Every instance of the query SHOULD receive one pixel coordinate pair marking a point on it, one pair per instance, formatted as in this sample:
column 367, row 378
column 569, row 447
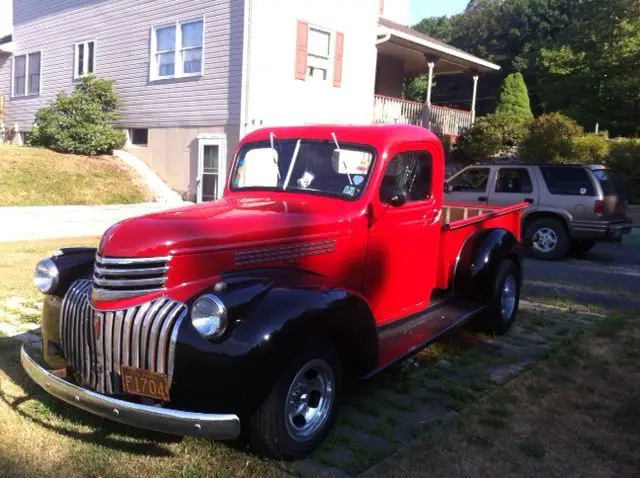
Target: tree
column 513, row 99
column 551, row 139
column 81, row 122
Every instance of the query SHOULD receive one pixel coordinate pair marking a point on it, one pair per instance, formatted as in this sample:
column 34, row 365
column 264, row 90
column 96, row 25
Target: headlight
column 209, row 316
column 46, row 276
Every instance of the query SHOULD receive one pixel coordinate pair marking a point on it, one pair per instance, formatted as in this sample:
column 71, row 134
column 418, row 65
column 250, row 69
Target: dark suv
column 572, row 206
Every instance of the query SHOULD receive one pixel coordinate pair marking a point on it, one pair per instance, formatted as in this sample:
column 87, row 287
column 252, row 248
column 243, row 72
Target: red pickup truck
column 329, row 256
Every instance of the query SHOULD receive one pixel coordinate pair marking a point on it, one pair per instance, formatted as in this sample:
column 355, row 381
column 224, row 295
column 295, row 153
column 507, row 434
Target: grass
column 38, row 177
column 18, row 260
column 537, row 425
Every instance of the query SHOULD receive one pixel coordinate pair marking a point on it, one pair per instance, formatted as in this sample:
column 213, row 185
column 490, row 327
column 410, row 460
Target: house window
column 177, row 50
column 26, row 74
column 318, row 54
column 84, row 59
column 139, row 136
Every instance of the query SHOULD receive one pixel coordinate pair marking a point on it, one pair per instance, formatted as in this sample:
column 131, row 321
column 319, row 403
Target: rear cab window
column 567, row 181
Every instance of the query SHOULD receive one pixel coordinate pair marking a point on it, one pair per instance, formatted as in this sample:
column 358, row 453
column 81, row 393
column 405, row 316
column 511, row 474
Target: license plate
column 147, row 384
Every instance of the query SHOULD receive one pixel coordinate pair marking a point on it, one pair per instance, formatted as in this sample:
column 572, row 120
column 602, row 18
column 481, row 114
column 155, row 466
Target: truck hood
column 225, row 224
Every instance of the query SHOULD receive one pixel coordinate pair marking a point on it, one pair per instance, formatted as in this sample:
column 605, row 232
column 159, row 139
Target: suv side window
column 514, row 180
column 567, row 181
column 472, row 180
column 410, row 171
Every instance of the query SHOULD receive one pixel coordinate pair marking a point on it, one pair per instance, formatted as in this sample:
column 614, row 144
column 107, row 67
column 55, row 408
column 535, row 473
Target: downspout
column 246, row 68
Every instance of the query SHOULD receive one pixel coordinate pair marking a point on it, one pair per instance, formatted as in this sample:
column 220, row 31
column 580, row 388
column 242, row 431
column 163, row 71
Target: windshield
column 303, row 165
column 611, row 185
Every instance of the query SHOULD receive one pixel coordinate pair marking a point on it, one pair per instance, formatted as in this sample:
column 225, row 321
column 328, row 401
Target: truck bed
column 459, row 221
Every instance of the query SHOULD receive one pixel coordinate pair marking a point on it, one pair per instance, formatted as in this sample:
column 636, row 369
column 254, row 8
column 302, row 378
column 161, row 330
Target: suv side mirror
column 395, row 196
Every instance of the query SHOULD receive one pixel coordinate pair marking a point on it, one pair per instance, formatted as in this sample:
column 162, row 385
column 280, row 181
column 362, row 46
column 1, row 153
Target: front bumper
column 601, row 230
column 175, row 422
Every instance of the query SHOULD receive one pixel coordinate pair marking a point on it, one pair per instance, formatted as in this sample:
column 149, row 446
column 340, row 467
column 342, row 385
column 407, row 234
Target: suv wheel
column 548, row 239
column 302, row 407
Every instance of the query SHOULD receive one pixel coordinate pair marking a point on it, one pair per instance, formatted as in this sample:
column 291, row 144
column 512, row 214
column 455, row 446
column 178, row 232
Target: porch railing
column 395, row 110
column 448, row 121
column 440, row 119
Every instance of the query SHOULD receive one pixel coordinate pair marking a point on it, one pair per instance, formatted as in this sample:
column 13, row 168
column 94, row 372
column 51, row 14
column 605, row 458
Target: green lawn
column 39, row 177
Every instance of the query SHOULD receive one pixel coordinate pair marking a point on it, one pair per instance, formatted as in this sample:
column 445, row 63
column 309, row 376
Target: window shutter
column 381, row 6
column 302, row 44
column 337, row 70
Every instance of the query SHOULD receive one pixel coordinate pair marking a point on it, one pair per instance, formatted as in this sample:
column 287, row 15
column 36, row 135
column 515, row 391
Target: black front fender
column 270, row 320
column 479, row 260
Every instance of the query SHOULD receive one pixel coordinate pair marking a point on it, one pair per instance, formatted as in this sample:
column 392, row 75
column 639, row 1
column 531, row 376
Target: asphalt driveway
column 589, row 279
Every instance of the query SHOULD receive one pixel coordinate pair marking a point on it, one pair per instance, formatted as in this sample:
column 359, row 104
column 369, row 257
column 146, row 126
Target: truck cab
column 331, row 254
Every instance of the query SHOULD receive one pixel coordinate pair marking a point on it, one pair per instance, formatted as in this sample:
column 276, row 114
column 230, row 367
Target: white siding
column 121, row 30
column 276, row 98
column 398, row 11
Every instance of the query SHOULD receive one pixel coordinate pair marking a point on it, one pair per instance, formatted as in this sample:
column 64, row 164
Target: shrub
column 624, row 158
column 590, row 148
column 80, row 123
column 550, row 139
column 491, row 135
column 513, row 99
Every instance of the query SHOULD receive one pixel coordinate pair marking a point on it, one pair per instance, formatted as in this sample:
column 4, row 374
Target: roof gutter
column 447, row 51
column 385, row 38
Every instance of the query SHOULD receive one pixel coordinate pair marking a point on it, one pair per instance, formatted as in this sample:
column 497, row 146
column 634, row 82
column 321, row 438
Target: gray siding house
column 177, row 66
column 195, row 75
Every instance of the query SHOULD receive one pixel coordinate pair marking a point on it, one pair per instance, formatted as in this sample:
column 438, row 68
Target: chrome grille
column 119, row 277
column 97, row 343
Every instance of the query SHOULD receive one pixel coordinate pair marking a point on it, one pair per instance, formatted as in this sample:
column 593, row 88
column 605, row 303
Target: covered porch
column 404, row 53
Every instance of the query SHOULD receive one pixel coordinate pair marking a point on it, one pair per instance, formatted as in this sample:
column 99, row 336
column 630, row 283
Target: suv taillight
column 598, row 207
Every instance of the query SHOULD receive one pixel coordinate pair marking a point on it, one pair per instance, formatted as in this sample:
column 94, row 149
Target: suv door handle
column 483, row 198
column 529, row 200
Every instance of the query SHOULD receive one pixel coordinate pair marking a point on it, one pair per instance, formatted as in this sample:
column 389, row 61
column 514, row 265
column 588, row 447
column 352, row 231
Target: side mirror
column 448, row 188
column 396, row 196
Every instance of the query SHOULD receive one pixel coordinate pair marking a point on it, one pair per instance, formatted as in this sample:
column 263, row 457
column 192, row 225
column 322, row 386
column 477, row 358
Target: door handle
column 529, row 200
column 483, row 198
column 436, row 216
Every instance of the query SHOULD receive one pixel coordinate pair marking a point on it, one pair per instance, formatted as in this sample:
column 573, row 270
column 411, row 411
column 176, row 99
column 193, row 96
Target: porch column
column 473, row 100
column 427, row 121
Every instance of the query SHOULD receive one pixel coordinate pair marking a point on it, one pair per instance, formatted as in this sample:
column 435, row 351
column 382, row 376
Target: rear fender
column 479, row 260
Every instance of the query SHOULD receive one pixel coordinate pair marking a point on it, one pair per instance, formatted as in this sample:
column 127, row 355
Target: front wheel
column 302, row 407
column 502, row 306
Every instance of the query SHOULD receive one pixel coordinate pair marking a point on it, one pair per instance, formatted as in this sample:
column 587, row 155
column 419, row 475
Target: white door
column 212, row 167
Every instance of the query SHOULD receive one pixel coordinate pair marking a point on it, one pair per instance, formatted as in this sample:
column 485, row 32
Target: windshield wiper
column 275, row 153
column 293, row 162
column 344, row 163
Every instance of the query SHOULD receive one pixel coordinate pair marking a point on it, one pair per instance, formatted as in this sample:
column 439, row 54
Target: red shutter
column 302, row 43
column 337, row 70
column 381, row 6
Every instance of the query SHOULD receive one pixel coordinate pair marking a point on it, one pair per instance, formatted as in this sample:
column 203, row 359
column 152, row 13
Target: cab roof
column 378, row 136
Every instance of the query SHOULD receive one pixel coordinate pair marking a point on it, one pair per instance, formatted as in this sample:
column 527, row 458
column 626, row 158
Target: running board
column 407, row 336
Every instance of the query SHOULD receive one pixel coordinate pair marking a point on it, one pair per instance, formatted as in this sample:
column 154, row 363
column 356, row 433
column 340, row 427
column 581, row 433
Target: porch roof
column 6, row 45
column 411, row 46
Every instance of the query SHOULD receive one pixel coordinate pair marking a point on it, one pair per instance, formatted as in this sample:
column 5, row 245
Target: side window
column 514, row 180
column 411, row 172
column 472, row 180
column 567, row 181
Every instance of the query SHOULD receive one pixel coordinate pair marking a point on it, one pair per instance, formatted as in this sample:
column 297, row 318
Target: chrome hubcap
column 545, row 239
column 309, row 400
column 508, row 299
